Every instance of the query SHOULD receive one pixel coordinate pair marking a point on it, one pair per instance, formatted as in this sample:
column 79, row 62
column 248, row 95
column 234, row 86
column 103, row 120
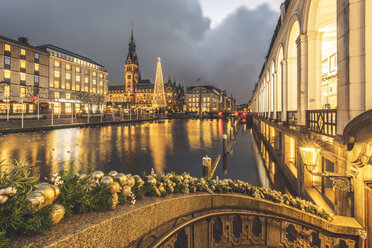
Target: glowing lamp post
column 309, row 157
column 340, row 182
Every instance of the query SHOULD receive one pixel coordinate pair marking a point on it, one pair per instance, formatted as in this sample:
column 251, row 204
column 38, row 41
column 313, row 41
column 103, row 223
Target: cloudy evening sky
column 223, row 42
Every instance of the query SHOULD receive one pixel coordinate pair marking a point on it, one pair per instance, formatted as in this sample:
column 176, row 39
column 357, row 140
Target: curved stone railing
column 199, row 220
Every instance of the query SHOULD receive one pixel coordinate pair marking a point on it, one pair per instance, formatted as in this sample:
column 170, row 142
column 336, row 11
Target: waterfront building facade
column 77, row 84
column 312, row 96
column 23, row 76
column 208, row 99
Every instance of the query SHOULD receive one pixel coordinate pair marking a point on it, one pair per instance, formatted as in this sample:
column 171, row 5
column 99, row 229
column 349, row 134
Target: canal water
column 165, row 145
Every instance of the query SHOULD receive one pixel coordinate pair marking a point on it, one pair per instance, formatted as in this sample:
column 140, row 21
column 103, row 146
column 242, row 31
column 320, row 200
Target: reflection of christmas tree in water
column 159, row 94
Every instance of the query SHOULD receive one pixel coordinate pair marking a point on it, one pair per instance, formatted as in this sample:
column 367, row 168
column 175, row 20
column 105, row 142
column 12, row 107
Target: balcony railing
column 292, row 118
column 322, row 121
column 279, row 116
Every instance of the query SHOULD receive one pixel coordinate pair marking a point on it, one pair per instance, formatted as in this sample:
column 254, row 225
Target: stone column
column 351, row 60
column 274, row 79
column 342, row 65
column 301, row 79
column 269, row 85
column 357, row 68
column 292, row 88
column 368, row 51
column 284, row 89
column 314, row 70
column 266, row 98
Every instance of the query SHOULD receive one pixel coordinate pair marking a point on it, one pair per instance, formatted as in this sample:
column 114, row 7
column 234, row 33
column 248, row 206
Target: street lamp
column 309, row 157
column 342, row 183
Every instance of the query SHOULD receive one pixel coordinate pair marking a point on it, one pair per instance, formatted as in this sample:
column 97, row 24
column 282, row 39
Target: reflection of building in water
column 194, row 134
column 207, row 133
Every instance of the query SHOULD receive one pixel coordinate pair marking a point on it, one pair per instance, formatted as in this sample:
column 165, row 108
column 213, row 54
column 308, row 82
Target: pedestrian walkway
column 47, row 123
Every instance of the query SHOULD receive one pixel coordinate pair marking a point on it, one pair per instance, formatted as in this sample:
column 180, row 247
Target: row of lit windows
column 22, row 76
column 56, row 84
column 58, row 95
column 7, row 48
column 57, row 64
column 57, row 74
column 75, row 60
column 7, row 61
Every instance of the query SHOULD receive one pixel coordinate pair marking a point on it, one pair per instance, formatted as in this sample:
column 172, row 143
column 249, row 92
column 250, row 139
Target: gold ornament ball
column 115, row 188
column 113, row 173
column 151, row 181
column 57, row 190
column 138, row 180
column 108, row 181
column 161, row 188
column 98, row 175
column 131, row 182
column 126, row 190
column 121, row 178
column 48, row 191
column 58, row 211
column 36, row 200
column 157, row 191
column 169, row 175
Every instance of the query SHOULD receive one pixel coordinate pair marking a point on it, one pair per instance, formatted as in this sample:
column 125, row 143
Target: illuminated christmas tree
column 158, row 100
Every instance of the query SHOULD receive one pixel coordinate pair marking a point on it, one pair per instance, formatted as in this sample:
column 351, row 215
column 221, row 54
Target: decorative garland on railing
column 28, row 206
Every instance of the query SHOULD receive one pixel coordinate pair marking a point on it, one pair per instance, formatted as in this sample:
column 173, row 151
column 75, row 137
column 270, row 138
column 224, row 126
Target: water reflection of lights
column 119, row 147
column 220, row 127
column 158, row 140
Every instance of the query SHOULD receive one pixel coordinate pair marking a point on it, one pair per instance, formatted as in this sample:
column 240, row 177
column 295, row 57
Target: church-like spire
column 169, row 81
column 132, row 56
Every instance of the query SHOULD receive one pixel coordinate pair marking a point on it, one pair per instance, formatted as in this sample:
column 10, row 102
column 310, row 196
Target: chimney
column 23, row 40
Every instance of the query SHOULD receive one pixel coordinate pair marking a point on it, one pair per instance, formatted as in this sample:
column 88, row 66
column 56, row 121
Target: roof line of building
column 275, row 34
column 23, row 44
column 69, row 53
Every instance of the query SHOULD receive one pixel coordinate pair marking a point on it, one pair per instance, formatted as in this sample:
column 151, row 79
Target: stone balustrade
column 199, row 220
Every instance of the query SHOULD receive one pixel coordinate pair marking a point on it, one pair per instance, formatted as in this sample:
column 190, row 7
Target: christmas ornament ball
column 121, row 178
column 113, row 173
column 108, row 181
column 98, row 175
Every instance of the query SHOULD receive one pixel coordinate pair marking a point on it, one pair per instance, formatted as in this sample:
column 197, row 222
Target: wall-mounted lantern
column 342, row 183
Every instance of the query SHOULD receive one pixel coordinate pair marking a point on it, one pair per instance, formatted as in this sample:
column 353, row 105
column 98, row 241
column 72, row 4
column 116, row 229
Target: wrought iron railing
column 292, row 118
column 242, row 229
column 322, row 121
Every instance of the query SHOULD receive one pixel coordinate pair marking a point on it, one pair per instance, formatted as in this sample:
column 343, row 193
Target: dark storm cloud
column 228, row 56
